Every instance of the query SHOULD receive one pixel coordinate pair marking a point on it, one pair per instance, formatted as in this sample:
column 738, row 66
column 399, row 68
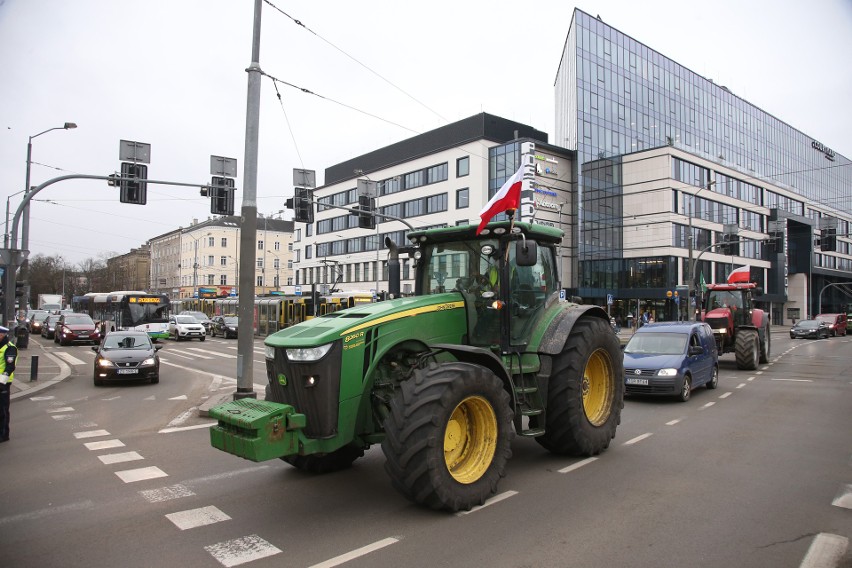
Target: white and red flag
column 741, row 274
column 508, row 198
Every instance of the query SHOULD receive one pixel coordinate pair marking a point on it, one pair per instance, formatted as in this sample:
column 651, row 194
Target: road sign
column 609, row 299
column 562, row 293
column 233, row 292
column 298, row 290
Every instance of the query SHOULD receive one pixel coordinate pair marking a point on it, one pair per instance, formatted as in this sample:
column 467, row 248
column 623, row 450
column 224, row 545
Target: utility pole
column 248, row 213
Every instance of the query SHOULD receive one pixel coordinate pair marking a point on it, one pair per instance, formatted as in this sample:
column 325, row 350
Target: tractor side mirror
column 526, row 252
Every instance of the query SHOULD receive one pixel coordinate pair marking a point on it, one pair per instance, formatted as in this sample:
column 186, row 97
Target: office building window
column 462, row 198
column 463, row 166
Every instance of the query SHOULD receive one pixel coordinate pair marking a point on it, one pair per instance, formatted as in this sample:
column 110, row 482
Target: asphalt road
column 752, row 474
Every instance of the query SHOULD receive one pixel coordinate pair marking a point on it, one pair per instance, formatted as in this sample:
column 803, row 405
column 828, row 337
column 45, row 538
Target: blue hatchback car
column 671, row 359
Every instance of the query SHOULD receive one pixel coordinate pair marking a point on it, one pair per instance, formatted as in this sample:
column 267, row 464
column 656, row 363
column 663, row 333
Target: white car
column 186, row 327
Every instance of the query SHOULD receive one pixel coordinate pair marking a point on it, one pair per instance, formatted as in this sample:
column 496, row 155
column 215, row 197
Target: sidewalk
column 51, row 370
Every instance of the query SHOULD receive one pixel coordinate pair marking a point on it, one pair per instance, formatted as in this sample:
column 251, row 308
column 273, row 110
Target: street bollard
column 34, row 368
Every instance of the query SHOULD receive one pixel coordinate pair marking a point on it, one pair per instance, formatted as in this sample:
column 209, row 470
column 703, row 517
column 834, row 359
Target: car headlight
column 148, row 362
column 667, row 372
column 308, row 353
column 105, row 363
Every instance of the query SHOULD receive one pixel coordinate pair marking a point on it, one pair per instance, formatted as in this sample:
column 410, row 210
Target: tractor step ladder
column 530, row 404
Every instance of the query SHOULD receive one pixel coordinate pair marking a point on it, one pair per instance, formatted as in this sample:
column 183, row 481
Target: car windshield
column 657, row 343
column 40, row 316
column 78, row 320
column 826, row 319
column 230, row 321
column 807, row 323
column 186, row 319
column 127, row 342
column 200, row 316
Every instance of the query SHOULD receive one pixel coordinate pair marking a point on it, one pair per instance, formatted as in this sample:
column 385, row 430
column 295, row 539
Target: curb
column 215, row 400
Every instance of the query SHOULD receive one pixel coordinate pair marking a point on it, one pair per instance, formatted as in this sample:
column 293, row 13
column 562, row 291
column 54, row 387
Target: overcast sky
column 171, row 73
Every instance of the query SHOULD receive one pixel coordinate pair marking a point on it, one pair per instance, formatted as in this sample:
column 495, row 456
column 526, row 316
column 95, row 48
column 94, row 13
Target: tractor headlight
column 269, row 351
column 667, row 372
column 308, row 353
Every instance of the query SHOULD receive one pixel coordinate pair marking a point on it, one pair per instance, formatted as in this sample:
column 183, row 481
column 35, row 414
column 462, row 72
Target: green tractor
column 444, row 380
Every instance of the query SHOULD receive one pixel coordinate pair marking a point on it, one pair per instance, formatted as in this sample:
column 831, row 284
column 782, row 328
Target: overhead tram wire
column 289, row 126
column 377, row 74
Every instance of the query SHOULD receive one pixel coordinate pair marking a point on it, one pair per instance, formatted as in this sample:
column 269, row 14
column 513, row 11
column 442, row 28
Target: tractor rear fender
column 477, row 356
column 561, row 325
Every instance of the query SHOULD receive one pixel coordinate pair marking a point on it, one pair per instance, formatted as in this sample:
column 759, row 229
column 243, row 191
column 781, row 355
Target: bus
column 127, row 310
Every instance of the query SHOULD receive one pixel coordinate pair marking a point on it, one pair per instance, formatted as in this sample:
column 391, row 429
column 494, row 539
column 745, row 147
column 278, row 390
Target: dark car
column 226, row 326
column 126, row 355
column 48, row 328
column 812, row 329
column 201, row 317
column 671, row 359
column 76, row 328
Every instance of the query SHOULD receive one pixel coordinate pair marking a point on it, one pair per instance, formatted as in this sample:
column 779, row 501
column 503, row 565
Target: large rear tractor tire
column 337, row 460
column 448, row 436
column 585, row 391
column 747, row 349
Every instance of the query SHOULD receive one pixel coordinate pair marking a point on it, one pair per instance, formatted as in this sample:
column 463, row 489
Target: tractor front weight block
column 256, row 430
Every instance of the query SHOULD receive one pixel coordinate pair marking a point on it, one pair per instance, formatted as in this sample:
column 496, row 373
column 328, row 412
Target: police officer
column 8, row 357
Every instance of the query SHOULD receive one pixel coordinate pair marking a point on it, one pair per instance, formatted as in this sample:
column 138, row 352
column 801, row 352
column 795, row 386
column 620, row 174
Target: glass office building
column 616, row 97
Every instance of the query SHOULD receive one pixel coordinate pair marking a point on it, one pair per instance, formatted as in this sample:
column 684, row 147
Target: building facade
column 440, row 178
column 203, row 259
column 130, row 271
column 725, row 167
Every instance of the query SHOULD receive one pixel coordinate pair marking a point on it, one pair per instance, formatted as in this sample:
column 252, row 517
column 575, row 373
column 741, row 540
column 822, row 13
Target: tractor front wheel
column 448, row 436
column 585, row 391
column 747, row 349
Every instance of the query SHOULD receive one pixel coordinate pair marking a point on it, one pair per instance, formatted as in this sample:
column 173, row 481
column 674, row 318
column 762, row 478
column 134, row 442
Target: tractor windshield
column 461, row 265
column 731, row 299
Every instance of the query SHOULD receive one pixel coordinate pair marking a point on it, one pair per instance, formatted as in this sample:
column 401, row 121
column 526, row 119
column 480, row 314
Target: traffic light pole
column 373, row 213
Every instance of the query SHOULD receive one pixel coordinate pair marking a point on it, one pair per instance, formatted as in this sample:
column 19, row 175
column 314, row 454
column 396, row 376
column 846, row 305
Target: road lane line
column 65, row 416
column 108, row 459
column 708, row 405
column 106, row 444
column 194, row 518
column 750, row 378
column 63, row 409
column 844, row 498
column 577, row 465
column 673, row 422
column 741, row 385
column 68, row 358
column 216, row 353
column 184, row 428
column 48, row 512
column 638, row 439
column 241, row 550
column 826, row 551
column 725, row 395
column 140, row 474
column 337, row 561
column 91, row 434
column 492, row 501
column 794, row 380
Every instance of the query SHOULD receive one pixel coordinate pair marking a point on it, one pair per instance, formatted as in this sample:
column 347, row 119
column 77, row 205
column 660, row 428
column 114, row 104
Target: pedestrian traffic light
column 133, row 187
column 222, row 196
column 366, row 218
column 303, row 205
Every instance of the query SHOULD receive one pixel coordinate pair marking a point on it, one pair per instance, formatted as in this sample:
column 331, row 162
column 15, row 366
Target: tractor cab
column 729, row 302
column 506, row 275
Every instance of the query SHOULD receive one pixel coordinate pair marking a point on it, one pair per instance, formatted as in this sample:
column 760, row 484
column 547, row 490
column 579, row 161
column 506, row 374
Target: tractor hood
column 339, row 325
column 718, row 314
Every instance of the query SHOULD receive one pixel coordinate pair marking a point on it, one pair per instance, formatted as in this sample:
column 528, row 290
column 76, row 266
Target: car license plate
column 128, row 371
column 636, row 381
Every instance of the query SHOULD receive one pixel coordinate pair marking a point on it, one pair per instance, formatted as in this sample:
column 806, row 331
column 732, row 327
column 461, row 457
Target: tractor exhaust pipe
column 393, row 268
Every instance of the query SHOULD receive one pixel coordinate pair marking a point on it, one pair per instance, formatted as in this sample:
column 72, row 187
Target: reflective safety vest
column 3, row 360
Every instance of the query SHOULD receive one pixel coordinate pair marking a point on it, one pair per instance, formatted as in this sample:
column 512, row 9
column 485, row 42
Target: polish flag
column 508, row 198
column 741, row 274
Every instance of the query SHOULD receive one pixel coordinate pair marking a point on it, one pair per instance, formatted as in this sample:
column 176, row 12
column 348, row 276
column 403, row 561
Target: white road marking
column 141, row 474
column 68, row 358
column 167, row 493
column 638, row 439
column 111, row 398
column 91, row 434
column 488, row 502
column 826, row 551
column 41, row 398
column 794, row 380
column 725, row 395
column 120, row 458
column 337, row 561
column 184, row 428
column 673, row 422
column 241, row 550
column 106, row 444
column 750, row 378
column 152, row 397
column 577, row 465
column 759, row 373
column 765, row 368
column 63, row 409
column 49, row 512
column 741, row 385
column 708, row 405
column 216, row 353
column 197, row 517
column 65, row 416
column 181, row 397
column 844, row 498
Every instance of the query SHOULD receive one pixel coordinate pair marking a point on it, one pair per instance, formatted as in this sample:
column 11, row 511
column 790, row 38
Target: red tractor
column 737, row 325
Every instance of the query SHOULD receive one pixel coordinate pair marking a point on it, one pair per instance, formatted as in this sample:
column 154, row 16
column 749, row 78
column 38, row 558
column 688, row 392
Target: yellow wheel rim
column 470, row 439
column 598, row 388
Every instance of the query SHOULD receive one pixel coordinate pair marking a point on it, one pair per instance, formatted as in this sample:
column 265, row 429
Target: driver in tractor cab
column 486, row 288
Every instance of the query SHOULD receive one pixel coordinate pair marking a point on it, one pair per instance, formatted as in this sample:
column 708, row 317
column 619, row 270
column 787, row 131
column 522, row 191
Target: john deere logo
column 282, row 379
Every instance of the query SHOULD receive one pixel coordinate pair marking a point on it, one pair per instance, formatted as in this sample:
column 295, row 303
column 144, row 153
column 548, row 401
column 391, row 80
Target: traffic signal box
column 133, row 188
column 222, row 196
column 828, row 240
column 366, row 218
column 303, row 206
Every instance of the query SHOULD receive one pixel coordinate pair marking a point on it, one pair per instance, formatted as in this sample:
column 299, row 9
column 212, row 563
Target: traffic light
column 303, row 205
column 366, row 218
column 222, row 196
column 729, row 245
column 19, row 288
column 828, row 240
column 133, row 187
